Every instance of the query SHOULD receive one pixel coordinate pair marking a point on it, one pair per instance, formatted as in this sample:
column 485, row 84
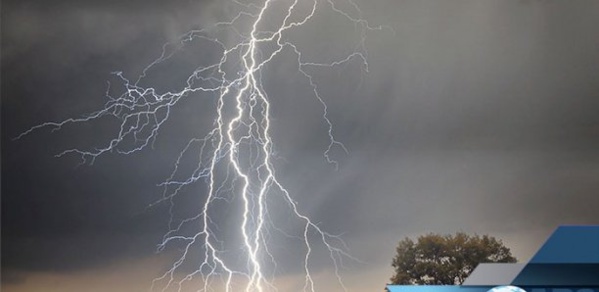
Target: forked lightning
column 234, row 158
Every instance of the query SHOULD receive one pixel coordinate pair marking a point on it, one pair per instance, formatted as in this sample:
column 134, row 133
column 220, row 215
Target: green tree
column 445, row 259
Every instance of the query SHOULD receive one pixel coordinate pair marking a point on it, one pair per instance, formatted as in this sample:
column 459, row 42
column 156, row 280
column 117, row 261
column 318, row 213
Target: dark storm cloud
column 56, row 59
column 476, row 115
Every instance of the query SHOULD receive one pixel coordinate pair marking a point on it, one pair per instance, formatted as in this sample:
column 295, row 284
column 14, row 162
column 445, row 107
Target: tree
column 445, row 259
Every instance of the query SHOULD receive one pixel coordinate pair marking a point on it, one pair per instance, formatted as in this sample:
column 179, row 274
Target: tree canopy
column 445, row 259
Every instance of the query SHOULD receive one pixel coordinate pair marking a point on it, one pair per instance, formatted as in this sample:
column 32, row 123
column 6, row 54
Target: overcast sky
column 474, row 116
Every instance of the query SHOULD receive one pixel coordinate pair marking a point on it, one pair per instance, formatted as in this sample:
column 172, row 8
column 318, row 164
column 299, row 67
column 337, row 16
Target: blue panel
column 556, row 275
column 570, row 244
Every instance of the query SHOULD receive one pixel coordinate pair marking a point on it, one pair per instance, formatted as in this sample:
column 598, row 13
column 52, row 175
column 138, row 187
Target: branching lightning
column 235, row 158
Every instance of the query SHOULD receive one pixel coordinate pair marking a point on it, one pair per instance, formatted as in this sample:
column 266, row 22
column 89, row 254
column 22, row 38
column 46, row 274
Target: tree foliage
column 445, row 259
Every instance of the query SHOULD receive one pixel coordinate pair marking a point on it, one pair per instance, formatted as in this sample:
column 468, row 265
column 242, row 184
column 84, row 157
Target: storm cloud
column 475, row 116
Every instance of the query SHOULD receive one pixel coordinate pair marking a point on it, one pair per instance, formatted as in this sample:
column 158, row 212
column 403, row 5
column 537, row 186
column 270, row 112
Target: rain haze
column 474, row 116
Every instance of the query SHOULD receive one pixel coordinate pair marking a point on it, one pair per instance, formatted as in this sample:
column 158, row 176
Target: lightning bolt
column 234, row 158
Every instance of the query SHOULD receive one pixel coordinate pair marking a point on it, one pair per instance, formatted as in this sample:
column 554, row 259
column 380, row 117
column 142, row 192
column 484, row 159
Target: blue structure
column 567, row 262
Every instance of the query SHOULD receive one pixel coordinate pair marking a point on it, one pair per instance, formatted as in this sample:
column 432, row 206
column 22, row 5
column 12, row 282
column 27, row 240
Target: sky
column 473, row 116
